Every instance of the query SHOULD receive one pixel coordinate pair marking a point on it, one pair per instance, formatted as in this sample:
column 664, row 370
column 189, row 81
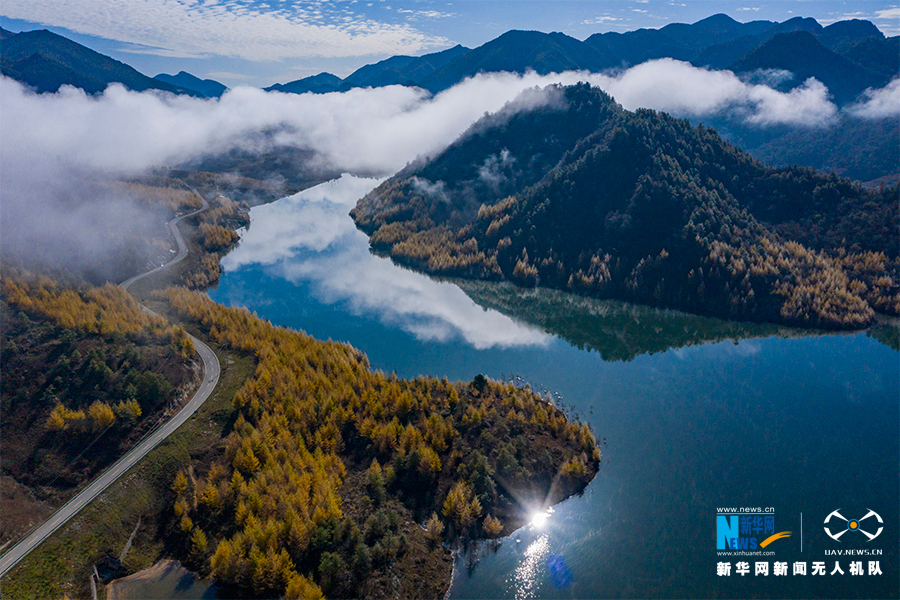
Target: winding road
column 72, row 507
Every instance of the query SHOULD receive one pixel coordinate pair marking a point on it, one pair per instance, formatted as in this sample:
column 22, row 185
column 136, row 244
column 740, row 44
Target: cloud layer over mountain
column 54, row 145
column 376, row 130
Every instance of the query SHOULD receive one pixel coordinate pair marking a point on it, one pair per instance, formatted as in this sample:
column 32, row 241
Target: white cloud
column 58, row 150
column 431, row 190
column 372, row 130
column 600, row 20
column 680, row 88
column 805, row 105
column 880, row 103
column 159, row 52
column 363, row 130
column 60, row 145
column 889, row 20
column 225, row 28
column 425, row 14
column 435, row 14
column 491, row 173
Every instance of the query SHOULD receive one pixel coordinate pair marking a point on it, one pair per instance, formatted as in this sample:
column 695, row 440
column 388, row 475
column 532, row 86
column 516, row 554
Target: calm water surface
column 694, row 414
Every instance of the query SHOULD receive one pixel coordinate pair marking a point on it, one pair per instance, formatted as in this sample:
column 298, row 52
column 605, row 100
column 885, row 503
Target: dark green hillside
column 396, row 70
column 359, row 77
column 879, row 54
column 861, row 149
column 584, row 196
column 801, row 53
column 634, row 47
column 418, row 68
column 727, row 50
column 402, row 70
column 45, row 61
column 714, row 29
column 845, row 34
column 681, row 41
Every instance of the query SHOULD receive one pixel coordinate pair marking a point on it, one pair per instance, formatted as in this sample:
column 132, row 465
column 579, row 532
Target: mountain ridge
column 643, row 207
column 208, row 87
column 46, row 61
column 849, row 56
column 801, row 53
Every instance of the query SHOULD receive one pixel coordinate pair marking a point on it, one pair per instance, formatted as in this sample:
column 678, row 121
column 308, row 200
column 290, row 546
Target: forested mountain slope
column 585, row 196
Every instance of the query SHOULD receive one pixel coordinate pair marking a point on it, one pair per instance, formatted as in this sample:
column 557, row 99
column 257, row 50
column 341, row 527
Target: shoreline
column 124, row 588
column 158, row 568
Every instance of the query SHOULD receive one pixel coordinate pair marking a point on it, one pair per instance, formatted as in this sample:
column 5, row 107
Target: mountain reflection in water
column 617, row 330
column 310, row 238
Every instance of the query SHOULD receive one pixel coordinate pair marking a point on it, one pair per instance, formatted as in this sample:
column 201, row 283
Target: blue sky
column 258, row 42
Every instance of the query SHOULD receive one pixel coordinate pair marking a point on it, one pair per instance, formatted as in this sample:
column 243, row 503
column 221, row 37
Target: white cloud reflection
column 310, row 237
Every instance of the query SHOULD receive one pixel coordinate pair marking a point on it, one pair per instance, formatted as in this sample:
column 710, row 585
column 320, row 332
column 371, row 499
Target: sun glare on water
column 539, row 518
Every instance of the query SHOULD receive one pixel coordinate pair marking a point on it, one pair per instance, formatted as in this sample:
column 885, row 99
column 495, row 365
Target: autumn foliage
column 215, row 237
column 217, row 234
column 106, row 310
column 175, row 198
column 84, row 368
column 272, row 508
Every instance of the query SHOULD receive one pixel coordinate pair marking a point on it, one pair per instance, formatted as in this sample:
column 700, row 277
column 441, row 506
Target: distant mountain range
column 847, row 56
column 584, row 196
column 45, row 61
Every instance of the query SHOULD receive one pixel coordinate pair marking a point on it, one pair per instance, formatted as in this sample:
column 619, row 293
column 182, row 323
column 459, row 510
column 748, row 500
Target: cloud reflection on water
column 310, row 237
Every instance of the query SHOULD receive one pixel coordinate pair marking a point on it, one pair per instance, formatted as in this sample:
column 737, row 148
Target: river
column 694, row 415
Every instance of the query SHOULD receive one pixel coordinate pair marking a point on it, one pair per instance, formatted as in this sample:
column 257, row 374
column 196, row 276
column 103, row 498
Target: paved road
column 182, row 247
column 71, row 508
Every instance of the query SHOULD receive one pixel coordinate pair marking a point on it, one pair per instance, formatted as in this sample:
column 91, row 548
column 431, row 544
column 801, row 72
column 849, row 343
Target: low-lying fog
column 56, row 149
